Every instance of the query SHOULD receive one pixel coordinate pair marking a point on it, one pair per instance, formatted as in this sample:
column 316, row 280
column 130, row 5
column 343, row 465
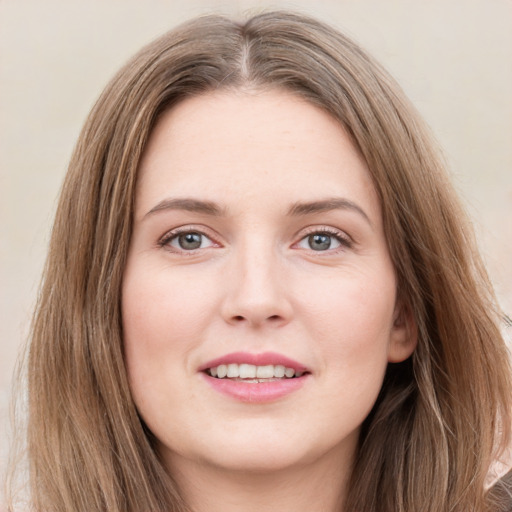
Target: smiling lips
column 255, row 377
column 250, row 371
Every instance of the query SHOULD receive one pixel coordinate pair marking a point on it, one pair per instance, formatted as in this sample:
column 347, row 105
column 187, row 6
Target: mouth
column 255, row 378
column 250, row 373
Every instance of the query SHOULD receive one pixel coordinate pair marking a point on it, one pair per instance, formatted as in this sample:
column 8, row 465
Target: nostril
column 272, row 318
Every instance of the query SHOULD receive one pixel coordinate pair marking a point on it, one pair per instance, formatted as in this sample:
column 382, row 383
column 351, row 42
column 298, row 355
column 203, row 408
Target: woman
column 262, row 293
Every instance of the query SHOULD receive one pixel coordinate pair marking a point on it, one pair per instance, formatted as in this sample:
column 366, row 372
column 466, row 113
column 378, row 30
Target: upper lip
column 263, row 359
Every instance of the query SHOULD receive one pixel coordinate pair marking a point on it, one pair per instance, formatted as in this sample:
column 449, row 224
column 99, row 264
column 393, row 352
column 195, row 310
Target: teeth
column 247, row 371
column 250, row 371
column 265, row 372
column 222, row 371
column 279, row 371
column 233, row 370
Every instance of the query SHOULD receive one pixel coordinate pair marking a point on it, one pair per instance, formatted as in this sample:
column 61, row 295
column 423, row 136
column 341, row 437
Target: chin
column 262, row 451
column 256, row 460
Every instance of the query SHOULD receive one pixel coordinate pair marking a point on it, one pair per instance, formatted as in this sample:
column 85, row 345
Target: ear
column 404, row 334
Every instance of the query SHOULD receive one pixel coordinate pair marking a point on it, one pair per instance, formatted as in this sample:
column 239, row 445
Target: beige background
column 453, row 57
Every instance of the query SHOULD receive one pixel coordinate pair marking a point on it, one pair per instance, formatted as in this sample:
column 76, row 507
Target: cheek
column 158, row 304
column 351, row 321
column 164, row 316
column 352, row 315
column 163, row 319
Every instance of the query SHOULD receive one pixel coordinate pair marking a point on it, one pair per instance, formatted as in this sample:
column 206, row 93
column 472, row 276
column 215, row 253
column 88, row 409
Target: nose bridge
column 256, row 293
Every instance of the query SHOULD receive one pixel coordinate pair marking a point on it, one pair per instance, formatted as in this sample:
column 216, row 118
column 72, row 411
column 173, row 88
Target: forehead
column 228, row 143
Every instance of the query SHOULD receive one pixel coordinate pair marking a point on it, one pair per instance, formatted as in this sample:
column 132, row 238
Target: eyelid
column 345, row 240
column 164, row 240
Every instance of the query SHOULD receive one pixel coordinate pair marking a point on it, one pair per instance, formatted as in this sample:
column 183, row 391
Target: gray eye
column 190, row 241
column 319, row 241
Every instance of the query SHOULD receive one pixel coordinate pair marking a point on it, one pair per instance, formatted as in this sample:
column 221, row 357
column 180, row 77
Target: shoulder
column 501, row 493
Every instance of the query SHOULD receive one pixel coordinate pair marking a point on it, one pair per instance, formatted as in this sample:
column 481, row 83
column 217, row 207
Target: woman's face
column 258, row 247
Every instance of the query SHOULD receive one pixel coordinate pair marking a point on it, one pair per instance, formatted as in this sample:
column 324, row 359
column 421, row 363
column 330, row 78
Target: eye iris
column 190, row 241
column 319, row 242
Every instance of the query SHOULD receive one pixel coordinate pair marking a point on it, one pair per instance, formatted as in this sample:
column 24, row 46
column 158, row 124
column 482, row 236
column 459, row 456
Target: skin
column 256, row 284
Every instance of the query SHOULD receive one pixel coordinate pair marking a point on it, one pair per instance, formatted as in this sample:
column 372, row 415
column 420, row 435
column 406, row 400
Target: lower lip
column 256, row 392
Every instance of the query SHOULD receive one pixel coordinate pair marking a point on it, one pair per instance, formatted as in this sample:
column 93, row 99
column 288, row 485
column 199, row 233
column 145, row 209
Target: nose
column 257, row 294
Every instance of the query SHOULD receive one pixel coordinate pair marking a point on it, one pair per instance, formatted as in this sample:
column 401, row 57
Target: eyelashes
column 324, row 239
column 189, row 240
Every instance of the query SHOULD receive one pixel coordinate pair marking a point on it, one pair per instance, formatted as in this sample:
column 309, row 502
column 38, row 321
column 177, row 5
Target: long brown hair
column 441, row 416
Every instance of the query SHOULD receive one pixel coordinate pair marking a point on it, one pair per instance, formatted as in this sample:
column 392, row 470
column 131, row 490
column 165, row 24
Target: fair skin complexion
column 257, row 229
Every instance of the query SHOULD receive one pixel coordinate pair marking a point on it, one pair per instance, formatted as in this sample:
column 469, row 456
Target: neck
column 302, row 488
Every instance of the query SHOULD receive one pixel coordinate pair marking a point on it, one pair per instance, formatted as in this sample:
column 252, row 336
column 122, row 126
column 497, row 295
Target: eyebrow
column 297, row 209
column 325, row 205
column 187, row 204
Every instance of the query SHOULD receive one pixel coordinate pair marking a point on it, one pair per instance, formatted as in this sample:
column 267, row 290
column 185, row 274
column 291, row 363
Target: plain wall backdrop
column 452, row 57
